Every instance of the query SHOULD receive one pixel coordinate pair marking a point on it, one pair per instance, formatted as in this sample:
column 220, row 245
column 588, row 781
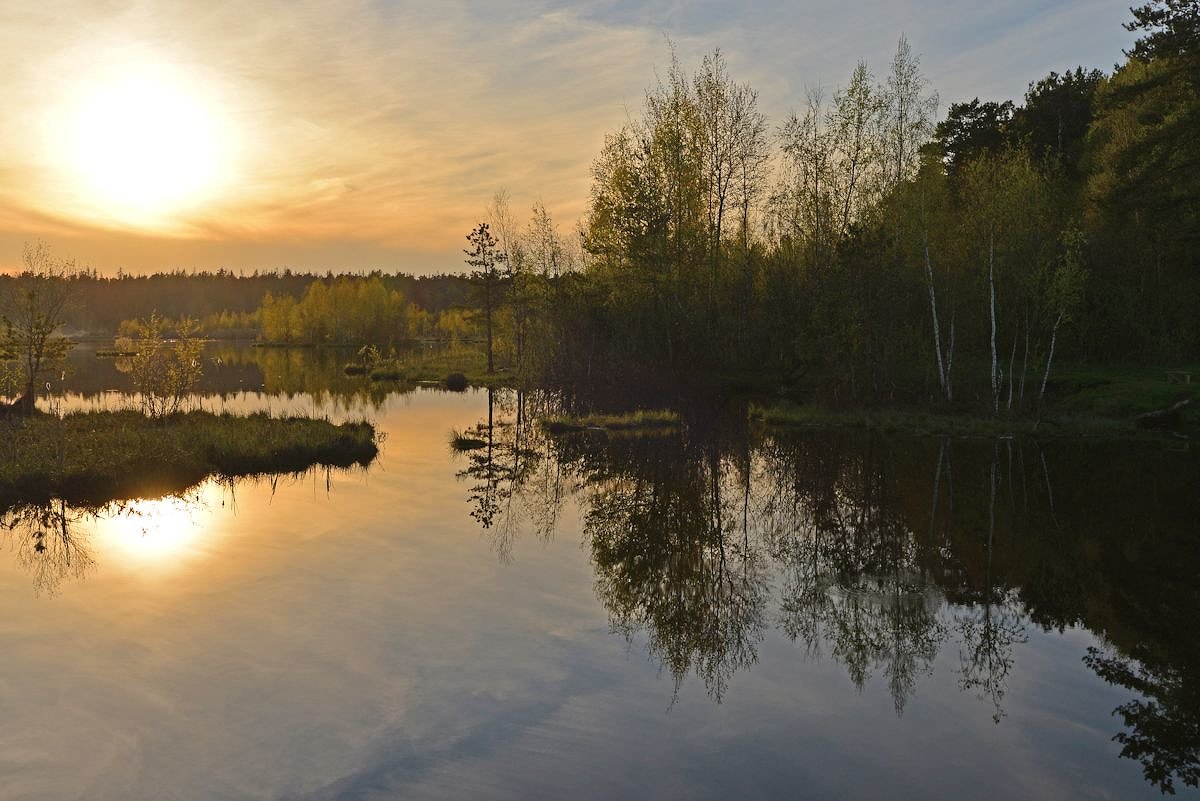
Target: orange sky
column 350, row 135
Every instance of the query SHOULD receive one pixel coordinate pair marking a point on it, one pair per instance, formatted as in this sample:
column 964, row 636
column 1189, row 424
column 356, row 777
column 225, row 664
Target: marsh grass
column 641, row 420
column 95, row 457
column 463, row 441
column 924, row 422
column 455, row 368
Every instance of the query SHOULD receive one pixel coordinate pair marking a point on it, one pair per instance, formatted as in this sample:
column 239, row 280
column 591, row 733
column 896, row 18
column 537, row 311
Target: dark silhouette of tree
column 499, row 470
column 48, row 543
column 487, row 265
column 1171, row 30
column 1162, row 727
column 32, row 312
column 972, row 128
column 1057, row 114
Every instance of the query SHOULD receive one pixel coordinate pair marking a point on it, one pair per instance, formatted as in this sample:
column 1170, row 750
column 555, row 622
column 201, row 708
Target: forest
column 225, row 303
column 863, row 250
column 883, row 255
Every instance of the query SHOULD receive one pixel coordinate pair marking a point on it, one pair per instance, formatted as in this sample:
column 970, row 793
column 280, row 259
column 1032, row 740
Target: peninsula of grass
column 454, row 368
column 641, row 420
column 91, row 458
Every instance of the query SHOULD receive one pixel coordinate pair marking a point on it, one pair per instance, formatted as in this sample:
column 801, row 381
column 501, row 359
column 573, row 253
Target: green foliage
column 345, row 310
column 32, row 310
column 972, row 129
column 1057, row 114
column 1143, row 215
column 164, row 372
column 225, row 302
column 892, row 261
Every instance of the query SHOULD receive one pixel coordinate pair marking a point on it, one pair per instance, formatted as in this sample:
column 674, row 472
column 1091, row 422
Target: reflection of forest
column 230, row 369
column 877, row 551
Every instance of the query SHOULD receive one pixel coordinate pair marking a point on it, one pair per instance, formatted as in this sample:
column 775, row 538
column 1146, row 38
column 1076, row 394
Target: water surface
column 720, row 612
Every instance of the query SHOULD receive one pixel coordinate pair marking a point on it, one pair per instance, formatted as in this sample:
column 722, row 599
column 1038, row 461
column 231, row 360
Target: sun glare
column 160, row 532
column 142, row 144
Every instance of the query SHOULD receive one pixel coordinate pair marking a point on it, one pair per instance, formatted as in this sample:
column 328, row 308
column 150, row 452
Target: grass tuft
column 461, row 441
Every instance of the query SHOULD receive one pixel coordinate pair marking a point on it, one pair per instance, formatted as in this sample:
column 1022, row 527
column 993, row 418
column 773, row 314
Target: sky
column 352, row 135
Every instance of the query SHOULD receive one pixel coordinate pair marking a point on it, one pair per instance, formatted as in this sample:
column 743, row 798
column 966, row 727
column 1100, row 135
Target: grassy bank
column 94, row 457
column 1079, row 401
column 913, row 421
column 1122, row 392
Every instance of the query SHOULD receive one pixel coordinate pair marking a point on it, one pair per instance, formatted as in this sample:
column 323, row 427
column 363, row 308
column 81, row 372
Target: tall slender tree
column 487, row 263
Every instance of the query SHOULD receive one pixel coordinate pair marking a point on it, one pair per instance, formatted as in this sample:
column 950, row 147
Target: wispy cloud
column 390, row 124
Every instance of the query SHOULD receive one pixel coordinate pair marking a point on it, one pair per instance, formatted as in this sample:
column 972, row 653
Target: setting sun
column 141, row 145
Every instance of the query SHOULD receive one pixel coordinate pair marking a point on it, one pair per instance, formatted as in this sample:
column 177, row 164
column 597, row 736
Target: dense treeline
column 862, row 250
column 354, row 310
column 880, row 255
column 223, row 300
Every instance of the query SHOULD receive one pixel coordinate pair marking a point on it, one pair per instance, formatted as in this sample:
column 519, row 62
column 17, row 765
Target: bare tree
column 512, row 248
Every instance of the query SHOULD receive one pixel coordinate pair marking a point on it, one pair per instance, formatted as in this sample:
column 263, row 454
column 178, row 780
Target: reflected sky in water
column 361, row 635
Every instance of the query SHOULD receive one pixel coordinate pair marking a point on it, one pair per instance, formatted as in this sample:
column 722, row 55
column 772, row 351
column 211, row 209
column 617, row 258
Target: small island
column 90, row 458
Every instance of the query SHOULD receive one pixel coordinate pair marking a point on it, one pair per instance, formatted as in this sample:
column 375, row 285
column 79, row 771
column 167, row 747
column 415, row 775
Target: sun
column 142, row 144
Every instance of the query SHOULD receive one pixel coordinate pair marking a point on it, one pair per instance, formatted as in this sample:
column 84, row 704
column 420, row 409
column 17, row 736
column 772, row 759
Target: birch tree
column 512, row 248
column 1063, row 291
column 1009, row 216
column 31, row 314
column 910, row 109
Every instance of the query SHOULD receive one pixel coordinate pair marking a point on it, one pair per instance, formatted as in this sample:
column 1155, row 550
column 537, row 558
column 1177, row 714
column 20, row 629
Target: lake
column 715, row 611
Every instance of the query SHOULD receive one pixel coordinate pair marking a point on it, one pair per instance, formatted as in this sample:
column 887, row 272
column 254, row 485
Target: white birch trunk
column 950, row 361
column 1012, row 362
column 1024, row 363
column 992, row 314
column 1049, row 358
column 937, row 331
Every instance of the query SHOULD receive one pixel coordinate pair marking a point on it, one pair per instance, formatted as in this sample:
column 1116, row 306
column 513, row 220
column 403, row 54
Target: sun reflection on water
column 163, row 532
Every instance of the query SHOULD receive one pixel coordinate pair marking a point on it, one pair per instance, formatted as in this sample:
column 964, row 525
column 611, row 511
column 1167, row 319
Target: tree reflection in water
column 670, row 558
column 507, row 468
column 878, row 552
column 48, row 544
column 55, row 542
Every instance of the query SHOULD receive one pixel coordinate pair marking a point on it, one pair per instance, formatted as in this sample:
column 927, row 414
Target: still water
column 718, row 612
